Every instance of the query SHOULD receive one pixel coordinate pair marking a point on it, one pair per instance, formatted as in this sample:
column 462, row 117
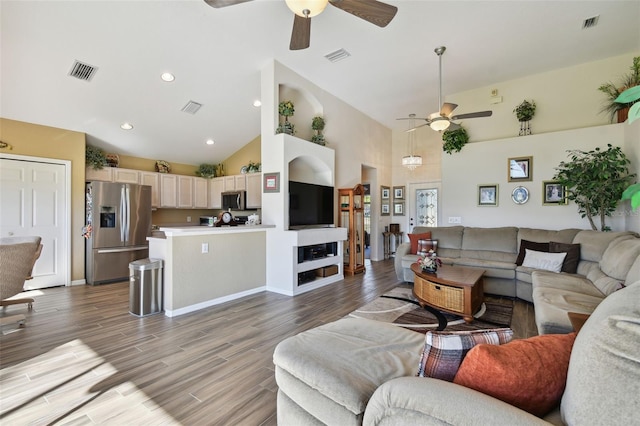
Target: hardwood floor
column 83, row 359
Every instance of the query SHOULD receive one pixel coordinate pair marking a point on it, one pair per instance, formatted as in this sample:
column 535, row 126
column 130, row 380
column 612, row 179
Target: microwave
column 234, row 200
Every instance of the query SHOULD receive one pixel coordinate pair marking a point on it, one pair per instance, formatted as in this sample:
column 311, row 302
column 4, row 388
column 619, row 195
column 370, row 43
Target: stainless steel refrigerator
column 118, row 222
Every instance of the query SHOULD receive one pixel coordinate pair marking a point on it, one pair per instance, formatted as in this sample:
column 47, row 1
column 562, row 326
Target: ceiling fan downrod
column 439, row 51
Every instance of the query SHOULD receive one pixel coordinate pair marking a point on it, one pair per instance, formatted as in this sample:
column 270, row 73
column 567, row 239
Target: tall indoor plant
column 595, row 181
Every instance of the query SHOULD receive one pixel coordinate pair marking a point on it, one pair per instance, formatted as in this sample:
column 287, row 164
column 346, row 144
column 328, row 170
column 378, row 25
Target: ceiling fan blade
column 453, row 126
column 224, row 3
column 472, row 115
column 301, row 33
column 447, row 109
column 417, row 127
column 412, row 118
column 373, row 11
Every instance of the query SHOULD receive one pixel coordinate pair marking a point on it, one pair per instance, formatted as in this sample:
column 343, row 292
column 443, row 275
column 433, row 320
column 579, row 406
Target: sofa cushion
column 527, row 373
column 444, row 351
column 531, row 245
column 413, row 239
column 570, row 264
column 551, row 306
column 545, row 261
column 634, row 273
column 345, row 361
column 546, row 235
column 565, row 282
column 491, row 268
column 490, row 244
column 618, row 258
column 594, row 243
column 603, row 282
column 603, row 381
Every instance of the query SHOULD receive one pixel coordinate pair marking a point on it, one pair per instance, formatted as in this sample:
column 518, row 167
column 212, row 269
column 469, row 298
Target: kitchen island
column 206, row 266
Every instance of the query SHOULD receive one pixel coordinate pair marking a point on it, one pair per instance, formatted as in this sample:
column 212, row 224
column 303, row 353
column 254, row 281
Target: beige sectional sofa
column 605, row 265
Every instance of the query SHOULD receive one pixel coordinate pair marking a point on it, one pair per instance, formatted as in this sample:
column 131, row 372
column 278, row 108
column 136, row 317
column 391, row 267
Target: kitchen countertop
column 176, row 231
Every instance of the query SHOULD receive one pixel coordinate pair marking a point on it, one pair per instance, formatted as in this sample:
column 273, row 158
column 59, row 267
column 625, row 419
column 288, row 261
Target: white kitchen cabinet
column 126, row 175
column 168, row 190
column 153, row 180
column 104, row 174
column 200, row 193
column 229, row 183
column 185, row 192
column 216, row 188
column 254, row 190
column 241, row 182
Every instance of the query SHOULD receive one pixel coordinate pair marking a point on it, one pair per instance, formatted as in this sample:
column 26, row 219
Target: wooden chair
column 18, row 255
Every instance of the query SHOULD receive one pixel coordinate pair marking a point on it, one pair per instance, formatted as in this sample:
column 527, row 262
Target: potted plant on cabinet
column 286, row 110
column 207, row 171
column 524, row 113
column 454, row 140
column 95, row 157
column 595, row 181
column 613, row 91
column 317, row 125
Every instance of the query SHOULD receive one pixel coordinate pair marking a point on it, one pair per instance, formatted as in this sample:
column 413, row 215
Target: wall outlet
column 205, row 247
column 455, row 219
column 188, row 219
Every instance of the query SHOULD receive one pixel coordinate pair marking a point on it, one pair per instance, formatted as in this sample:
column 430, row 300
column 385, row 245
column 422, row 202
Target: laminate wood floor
column 82, row 359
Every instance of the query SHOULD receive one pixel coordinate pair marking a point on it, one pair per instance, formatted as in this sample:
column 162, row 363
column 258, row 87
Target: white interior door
column 34, row 202
column 423, row 199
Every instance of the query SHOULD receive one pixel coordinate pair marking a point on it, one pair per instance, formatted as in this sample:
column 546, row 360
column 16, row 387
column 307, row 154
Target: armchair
column 18, row 255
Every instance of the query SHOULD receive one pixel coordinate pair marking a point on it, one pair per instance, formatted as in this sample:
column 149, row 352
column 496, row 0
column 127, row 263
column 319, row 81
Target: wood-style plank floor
column 83, row 359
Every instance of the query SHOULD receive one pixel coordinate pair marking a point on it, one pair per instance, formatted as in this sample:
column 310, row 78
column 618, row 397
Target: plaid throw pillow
column 444, row 351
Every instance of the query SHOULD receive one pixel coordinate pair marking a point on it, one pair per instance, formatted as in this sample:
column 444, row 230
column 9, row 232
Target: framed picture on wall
column 385, row 192
column 398, row 209
column 553, row 193
column 271, row 182
column 385, row 209
column 520, row 169
column 398, row 192
column 488, row 195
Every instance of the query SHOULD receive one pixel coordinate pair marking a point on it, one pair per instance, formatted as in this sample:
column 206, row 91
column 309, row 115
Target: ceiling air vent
column 191, row 107
column 590, row 22
column 82, row 71
column 338, row 55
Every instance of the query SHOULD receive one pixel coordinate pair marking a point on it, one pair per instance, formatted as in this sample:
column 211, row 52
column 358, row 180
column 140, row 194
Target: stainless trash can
column 145, row 287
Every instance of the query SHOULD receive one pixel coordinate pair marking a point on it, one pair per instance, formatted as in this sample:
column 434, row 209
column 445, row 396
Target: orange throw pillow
column 413, row 238
column 529, row 373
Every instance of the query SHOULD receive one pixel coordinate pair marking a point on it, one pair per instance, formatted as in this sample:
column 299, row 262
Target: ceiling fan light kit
column 307, row 8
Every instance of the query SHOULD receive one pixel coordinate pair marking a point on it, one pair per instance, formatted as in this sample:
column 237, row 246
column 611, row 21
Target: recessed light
column 257, row 103
column 210, row 142
column 167, row 76
column 126, row 126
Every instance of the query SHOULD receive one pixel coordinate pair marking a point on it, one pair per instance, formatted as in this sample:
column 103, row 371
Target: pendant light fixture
column 412, row 161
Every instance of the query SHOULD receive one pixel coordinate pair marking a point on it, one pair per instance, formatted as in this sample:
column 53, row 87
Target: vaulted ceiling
column 216, row 56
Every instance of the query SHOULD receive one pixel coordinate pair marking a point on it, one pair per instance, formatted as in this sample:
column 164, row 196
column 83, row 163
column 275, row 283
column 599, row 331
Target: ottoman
column 326, row 375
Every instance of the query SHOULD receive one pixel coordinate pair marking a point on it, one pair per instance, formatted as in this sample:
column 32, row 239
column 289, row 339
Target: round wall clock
column 520, row 195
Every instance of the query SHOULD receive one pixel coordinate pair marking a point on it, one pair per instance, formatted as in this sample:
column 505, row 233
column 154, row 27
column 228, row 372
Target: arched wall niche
column 306, row 107
column 310, row 169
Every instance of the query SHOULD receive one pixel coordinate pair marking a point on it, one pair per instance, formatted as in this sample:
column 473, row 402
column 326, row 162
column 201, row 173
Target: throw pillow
column 527, row 373
column 444, row 351
column 531, row 245
column 413, row 238
column 547, row 261
column 570, row 263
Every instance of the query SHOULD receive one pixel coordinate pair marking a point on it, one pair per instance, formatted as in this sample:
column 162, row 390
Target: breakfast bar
column 206, row 266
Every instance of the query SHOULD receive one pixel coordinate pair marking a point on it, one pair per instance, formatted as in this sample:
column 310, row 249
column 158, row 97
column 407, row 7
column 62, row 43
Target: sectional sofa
column 605, row 262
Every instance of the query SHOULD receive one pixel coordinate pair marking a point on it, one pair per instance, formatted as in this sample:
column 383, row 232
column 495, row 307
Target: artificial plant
column 454, row 140
column 95, row 157
column 613, row 91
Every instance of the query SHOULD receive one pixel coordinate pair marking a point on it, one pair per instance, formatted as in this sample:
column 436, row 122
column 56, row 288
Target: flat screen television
column 310, row 205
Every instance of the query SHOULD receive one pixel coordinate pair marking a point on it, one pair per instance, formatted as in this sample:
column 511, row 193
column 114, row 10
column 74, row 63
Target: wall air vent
column 191, row 107
column 82, row 71
column 590, row 22
column 338, row 55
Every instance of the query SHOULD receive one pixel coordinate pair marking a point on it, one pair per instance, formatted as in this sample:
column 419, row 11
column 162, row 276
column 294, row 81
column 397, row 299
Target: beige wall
column 50, row 142
column 148, row 165
column 242, row 157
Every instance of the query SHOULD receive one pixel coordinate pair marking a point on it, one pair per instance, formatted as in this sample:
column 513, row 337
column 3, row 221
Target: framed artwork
column 385, row 209
column 271, row 182
column 520, row 169
column 520, row 195
column 398, row 209
column 488, row 195
column 398, row 192
column 553, row 193
column 385, row 192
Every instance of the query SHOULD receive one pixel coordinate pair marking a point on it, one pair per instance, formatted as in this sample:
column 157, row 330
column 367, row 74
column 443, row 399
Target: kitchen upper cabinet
column 216, row 188
column 254, row 190
column 153, row 180
column 240, row 182
column 200, row 193
column 126, row 175
column 168, row 190
column 229, row 183
column 185, row 192
column 104, row 174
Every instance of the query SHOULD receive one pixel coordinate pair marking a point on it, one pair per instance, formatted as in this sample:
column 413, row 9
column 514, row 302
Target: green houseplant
column 454, row 140
column 317, row 125
column 207, row 171
column 286, row 110
column 595, row 181
column 95, row 157
column 632, row 94
column 525, row 111
column 613, row 107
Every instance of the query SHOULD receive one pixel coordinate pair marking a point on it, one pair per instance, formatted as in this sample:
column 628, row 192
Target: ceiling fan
column 373, row 11
column 442, row 120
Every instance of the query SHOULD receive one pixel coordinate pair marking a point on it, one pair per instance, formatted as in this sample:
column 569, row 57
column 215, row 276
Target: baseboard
column 78, row 282
column 212, row 302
